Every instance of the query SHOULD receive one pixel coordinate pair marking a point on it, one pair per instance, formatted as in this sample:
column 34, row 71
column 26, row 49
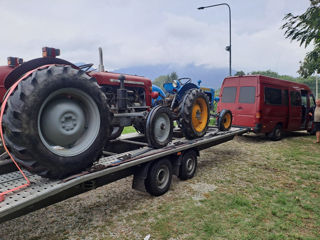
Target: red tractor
column 59, row 116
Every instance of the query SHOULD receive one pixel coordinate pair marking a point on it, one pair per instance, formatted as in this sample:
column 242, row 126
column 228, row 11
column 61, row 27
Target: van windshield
column 229, row 94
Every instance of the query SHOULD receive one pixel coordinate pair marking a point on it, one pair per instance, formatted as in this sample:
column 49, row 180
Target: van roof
column 270, row 80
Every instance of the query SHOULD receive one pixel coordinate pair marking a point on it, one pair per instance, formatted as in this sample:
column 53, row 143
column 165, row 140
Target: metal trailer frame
column 130, row 156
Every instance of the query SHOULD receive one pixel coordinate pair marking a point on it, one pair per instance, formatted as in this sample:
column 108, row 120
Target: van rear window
column 272, row 96
column 247, row 94
column 229, row 95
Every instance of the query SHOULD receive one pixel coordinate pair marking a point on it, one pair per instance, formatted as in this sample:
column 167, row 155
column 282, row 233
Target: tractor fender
column 19, row 71
column 182, row 91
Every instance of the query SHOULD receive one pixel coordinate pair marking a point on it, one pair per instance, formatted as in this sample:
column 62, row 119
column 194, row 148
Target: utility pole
column 228, row 48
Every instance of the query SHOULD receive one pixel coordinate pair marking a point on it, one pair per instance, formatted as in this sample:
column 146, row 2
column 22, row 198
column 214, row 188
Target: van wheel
column 312, row 131
column 276, row 133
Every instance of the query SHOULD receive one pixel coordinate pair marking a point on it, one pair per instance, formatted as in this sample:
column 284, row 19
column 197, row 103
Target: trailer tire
column 188, row 165
column 194, row 113
column 159, row 177
column 56, row 121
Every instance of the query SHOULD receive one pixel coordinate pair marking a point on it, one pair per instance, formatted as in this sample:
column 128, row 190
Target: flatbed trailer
column 128, row 155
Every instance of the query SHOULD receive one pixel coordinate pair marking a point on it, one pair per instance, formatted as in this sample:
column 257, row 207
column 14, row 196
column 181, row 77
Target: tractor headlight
column 175, row 83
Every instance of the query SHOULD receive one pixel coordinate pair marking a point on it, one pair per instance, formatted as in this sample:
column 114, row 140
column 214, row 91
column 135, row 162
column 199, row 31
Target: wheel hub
column 63, row 122
column 198, row 114
column 162, row 127
column 68, row 121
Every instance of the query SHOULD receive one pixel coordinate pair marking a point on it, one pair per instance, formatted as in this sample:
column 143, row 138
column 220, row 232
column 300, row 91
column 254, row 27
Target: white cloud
column 141, row 32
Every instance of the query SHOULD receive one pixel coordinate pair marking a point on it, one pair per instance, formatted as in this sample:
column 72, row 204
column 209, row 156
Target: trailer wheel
column 159, row 177
column 116, row 132
column 159, row 127
column 276, row 133
column 224, row 122
column 56, row 121
column 188, row 165
column 194, row 113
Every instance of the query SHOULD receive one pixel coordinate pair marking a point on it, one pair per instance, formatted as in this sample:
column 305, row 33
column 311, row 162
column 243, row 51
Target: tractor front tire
column 56, row 121
column 194, row 113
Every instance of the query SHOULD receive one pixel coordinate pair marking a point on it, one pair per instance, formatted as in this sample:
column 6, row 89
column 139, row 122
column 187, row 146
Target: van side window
column 272, row 96
column 312, row 102
column 229, row 94
column 285, row 97
column 304, row 98
column 247, row 94
column 295, row 98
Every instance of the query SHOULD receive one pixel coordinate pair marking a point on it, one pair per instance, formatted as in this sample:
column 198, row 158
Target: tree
column 159, row 81
column 239, row 73
column 305, row 28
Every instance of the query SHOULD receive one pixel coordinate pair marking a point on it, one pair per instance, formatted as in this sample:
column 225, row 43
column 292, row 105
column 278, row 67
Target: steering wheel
column 184, row 78
column 86, row 67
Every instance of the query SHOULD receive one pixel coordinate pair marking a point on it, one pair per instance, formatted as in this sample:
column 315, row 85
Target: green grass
column 278, row 198
column 129, row 129
column 263, row 190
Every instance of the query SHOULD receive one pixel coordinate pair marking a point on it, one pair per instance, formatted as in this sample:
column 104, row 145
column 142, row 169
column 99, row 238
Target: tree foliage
column 239, row 73
column 310, row 81
column 159, row 81
column 305, row 28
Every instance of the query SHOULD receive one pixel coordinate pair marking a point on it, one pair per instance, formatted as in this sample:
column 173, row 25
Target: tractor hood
column 109, row 78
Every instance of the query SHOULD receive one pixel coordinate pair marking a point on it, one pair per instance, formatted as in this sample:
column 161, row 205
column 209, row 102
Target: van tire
column 276, row 133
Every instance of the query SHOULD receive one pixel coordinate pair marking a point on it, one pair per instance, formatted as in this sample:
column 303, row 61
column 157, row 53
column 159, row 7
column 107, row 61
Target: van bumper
column 257, row 128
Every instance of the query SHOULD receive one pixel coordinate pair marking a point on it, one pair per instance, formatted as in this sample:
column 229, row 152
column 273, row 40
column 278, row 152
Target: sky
column 151, row 32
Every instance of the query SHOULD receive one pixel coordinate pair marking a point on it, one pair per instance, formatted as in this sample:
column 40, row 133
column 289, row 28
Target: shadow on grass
column 261, row 138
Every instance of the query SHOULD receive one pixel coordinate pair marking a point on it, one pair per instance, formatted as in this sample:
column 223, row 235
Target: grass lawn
column 248, row 188
column 276, row 196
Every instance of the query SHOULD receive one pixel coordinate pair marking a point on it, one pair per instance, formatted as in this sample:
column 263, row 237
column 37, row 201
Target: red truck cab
column 267, row 105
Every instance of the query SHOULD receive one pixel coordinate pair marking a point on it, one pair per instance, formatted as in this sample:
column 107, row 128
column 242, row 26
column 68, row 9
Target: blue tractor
column 192, row 106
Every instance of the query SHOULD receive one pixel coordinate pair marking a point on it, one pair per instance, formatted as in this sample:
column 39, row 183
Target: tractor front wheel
column 56, row 121
column 224, row 121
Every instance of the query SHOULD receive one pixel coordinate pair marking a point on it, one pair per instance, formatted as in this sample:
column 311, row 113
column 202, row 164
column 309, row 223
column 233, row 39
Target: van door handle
column 239, row 108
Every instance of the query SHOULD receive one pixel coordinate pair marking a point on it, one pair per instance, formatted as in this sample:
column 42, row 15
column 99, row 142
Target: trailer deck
column 128, row 154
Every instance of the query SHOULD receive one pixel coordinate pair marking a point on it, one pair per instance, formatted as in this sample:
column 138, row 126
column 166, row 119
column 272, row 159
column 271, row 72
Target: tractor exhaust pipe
column 101, row 67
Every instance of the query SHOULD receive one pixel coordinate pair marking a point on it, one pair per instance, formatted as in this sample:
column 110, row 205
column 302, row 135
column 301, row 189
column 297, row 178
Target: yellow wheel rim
column 199, row 115
column 226, row 121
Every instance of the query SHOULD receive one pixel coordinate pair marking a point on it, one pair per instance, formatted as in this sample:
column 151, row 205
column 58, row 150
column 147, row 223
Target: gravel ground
column 103, row 213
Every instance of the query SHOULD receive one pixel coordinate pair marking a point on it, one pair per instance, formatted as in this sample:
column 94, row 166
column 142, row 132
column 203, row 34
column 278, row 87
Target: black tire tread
column 185, row 113
column 17, row 134
column 150, row 183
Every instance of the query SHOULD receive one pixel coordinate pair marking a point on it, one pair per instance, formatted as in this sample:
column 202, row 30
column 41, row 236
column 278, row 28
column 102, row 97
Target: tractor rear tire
column 194, row 113
column 56, row 121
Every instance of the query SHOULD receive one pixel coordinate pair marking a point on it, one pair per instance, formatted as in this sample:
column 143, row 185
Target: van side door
column 295, row 110
column 274, row 110
column 311, row 107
